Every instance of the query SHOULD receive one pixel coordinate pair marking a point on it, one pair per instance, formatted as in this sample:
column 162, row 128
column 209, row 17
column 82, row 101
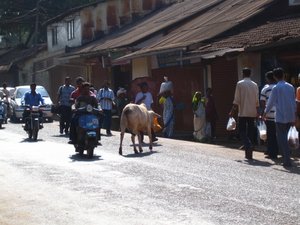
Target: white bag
column 262, row 128
column 231, row 124
column 293, row 138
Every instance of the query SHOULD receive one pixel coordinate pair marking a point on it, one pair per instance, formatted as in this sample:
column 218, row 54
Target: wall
column 140, row 68
column 253, row 61
column 62, row 38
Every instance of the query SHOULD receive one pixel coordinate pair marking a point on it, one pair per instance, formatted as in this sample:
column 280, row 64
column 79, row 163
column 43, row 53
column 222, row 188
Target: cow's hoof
column 150, row 147
column 135, row 151
column 120, row 151
column 141, row 150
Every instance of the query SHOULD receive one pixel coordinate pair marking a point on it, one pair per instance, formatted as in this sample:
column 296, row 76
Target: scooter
column 3, row 116
column 34, row 121
column 87, row 130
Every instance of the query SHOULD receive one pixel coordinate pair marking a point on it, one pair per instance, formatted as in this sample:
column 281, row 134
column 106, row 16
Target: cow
column 136, row 119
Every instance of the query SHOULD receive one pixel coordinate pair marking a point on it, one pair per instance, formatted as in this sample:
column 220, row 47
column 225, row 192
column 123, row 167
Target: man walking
column 63, row 99
column 283, row 98
column 272, row 147
column 247, row 103
column 105, row 97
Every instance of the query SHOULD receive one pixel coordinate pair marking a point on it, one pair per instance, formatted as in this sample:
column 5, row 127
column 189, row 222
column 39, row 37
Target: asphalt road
column 180, row 182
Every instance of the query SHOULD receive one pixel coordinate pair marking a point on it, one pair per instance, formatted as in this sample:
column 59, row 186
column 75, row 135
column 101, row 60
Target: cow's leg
column 150, row 138
column 133, row 142
column 140, row 142
column 121, row 142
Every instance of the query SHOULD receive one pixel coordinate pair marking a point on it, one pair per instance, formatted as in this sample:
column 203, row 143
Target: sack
column 231, row 124
column 293, row 139
column 55, row 109
column 262, row 128
column 156, row 126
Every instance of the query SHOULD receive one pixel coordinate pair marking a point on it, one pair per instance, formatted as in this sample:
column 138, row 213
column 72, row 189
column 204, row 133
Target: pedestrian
column 211, row 114
column 198, row 107
column 247, row 103
column 106, row 98
column 121, row 100
column 63, row 100
column 144, row 96
column 298, row 107
column 272, row 147
column 283, row 98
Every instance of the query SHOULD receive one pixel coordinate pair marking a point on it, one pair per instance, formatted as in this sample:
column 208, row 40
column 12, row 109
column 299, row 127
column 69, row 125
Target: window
column 70, row 30
column 54, row 36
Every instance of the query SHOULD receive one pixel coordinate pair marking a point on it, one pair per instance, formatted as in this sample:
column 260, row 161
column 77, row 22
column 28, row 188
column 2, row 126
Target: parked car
column 18, row 108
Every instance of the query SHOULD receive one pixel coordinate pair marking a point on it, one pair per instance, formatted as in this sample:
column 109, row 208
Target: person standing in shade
column 211, row 115
column 272, row 147
column 283, row 98
column 198, row 107
column 247, row 103
column 106, row 98
column 63, row 99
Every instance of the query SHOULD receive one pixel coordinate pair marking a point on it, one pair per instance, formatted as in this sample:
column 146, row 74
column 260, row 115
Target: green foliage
column 18, row 17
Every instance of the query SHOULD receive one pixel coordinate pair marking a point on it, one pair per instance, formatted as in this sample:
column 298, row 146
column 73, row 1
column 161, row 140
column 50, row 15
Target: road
column 180, row 182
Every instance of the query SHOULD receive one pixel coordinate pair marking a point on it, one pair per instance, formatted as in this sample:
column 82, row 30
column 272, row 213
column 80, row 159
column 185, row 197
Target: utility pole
column 36, row 31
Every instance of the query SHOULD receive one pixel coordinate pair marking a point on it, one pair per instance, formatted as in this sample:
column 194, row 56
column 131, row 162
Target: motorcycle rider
column 82, row 100
column 32, row 98
column 5, row 97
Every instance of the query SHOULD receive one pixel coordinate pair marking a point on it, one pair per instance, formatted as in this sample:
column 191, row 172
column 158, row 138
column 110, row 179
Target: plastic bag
column 231, row 125
column 293, row 139
column 156, row 126
column 262, row 128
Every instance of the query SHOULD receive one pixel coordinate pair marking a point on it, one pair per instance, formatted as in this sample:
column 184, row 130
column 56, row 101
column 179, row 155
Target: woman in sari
column 198, row 105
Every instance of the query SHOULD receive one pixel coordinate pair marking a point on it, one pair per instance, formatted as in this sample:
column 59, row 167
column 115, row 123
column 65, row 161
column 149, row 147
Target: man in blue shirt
column 283, row 98
column 32, row 98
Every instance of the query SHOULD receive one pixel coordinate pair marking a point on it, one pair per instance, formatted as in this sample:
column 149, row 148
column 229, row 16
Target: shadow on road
column 139, row 155
column 31, row 140
column 85, row 158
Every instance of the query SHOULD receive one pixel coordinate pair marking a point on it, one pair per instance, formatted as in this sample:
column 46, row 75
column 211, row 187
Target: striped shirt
column 105, row 98
column 264, row 96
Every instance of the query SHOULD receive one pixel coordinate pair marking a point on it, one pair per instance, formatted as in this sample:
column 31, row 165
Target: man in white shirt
column 144, row 96
column 247, row 103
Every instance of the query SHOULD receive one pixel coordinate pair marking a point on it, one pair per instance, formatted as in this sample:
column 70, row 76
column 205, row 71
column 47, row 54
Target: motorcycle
column 33, row 121
column 87, row 130
column 3, row 116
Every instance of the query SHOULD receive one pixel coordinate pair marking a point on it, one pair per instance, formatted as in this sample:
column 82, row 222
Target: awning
column 5, row 68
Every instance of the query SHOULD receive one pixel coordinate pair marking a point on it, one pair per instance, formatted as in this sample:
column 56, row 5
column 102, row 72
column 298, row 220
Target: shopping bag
column 262, row 129
column 231, row 124
column 293, row 138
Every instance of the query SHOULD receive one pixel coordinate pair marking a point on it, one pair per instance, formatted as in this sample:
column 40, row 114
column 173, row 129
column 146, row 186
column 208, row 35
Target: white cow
column 136, row 119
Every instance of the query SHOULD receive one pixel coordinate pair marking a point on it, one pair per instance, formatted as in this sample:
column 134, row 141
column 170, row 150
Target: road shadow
column 60, row 135
column 84, row 158
column 139, row 155
column 255, row 162
column 30, row 140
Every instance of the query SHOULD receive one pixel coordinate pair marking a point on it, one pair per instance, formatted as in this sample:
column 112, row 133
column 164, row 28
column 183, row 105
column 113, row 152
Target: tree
column 21, row 20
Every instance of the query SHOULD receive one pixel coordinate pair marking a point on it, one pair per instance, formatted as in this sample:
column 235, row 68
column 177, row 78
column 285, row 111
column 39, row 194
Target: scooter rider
column 84, row 99
column 31, row 98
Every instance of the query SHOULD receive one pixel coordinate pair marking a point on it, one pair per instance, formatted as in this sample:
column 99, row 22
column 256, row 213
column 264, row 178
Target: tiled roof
column 269, row 33
column 150, row 25
column 19, row 53
column 215, row 21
